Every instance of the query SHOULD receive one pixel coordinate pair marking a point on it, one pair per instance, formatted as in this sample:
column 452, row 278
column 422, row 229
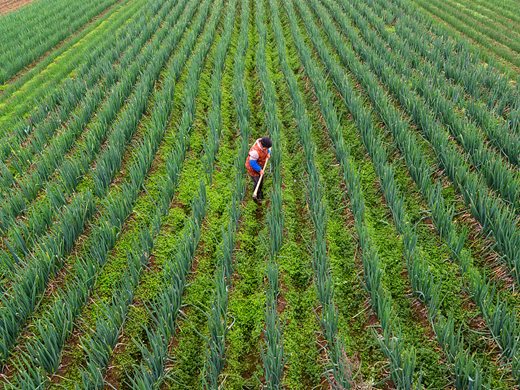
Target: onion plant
column 402, row 359
column 420, row 276
column 116, row 207
column 340, row 367
column 40, row 215
column 28, row 35
column 443, row 216
column 217, row 318
column 272, row 356
column 496, row 217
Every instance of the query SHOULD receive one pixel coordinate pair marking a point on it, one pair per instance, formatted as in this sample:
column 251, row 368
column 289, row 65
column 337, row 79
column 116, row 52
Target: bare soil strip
column 7, row 6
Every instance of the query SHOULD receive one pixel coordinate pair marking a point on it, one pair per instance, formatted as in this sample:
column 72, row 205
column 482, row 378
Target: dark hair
column 266, row 142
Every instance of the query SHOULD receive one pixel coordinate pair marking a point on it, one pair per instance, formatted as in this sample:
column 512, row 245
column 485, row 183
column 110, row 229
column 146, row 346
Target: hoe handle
column 260, row 180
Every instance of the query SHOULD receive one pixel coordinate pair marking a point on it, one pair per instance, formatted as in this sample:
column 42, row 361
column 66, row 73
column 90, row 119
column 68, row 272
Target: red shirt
column 258, row 153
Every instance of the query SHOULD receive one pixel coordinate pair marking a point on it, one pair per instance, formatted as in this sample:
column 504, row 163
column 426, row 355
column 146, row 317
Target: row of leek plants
column 492, row 30
column 499, row 317
column 164, row 308
column 34, row 179
column 459, row 22
column 495, row 217
column 480, row 81
column 23, row 151
column 44, row 350
column 412, row 51
column 28, row 34
column 502, row 18
column 54, row 157
column 31, row 135
column 504, row 9
column 501, row 95
column 215, row 116
column 77, row 164
column 110, row 161
column 99, row 345
column 340, row 367
column 49, row 254
column 21, row 98
column 272, row 356
column 499, row 20
column 402, row 358
column 18, row 151
column 498, row 174
column 25, row 234
column 421, row 279
column 218, row 315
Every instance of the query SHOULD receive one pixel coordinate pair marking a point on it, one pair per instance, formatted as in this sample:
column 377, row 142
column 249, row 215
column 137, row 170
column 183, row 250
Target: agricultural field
column 493, row 25
column 385, row 255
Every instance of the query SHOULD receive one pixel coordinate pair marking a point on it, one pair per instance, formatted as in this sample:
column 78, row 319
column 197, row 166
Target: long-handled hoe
column 260, row 180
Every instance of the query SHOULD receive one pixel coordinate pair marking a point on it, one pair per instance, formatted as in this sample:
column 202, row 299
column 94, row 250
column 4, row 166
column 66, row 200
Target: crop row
column 218, row 315
column 24, row 96
column 42, row 213
column 491, row 28
column 411, row 51
column 420, row 276
column 500, row 9
column 494, row 310
column 329, row 318
column 29, row 34
column 496, row 171
column 49, row 254
column 32, row 135
column 459, row 22
column 273, row 356
column 480, row 12
column 404, row 95
column 92, row 210
column 102, row 342
column 163, row 310
column 70, row 169
column 116, row 208
column 402, row 358
column 494, row 216
column 483, row 15
column 481, row 82
column 151, row 199
column 68, row 305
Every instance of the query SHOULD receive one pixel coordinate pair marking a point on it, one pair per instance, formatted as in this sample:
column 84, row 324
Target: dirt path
column 7, row 6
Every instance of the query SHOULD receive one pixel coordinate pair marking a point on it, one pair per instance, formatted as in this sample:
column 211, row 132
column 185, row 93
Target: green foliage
column 40, row 214
column 164, row 309
column 273, row 356
column 402, row 360
column 118, row 206
column 458, row 20
column 44, row 25
column 341, row 368
column 217, row 322
column 88, row 176
column 442, row 216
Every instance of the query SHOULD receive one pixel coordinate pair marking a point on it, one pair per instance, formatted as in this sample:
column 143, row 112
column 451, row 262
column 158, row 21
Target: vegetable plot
column 386, row 253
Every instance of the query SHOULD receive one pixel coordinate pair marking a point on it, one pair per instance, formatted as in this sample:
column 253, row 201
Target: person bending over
column 255, row 163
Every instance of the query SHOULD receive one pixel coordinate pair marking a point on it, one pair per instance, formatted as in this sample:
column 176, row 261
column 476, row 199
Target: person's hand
column 261, row 172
